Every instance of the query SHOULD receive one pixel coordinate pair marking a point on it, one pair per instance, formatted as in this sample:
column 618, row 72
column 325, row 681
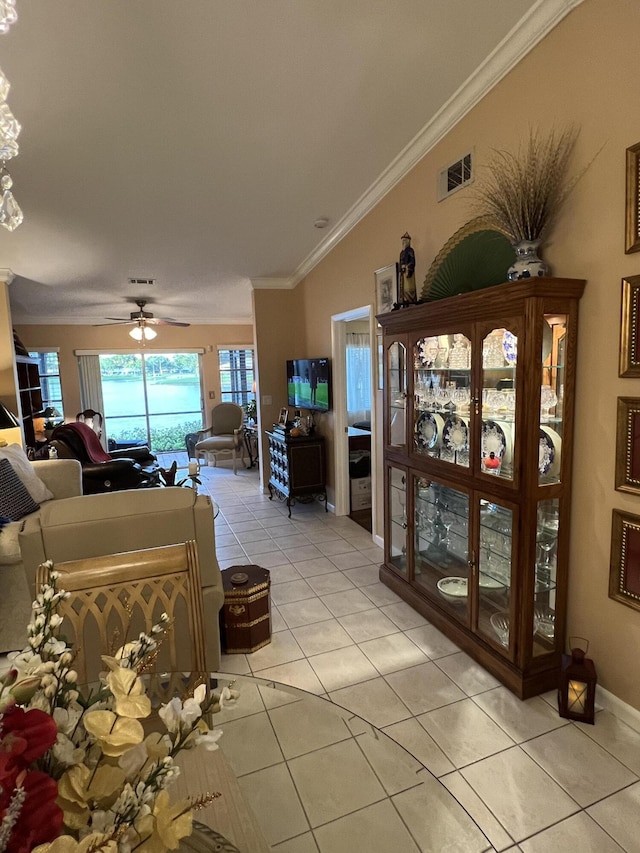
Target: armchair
column 225, row 433
column 102, row 471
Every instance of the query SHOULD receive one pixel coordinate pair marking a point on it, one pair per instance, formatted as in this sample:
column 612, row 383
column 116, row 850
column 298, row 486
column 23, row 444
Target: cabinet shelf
column 478, row 468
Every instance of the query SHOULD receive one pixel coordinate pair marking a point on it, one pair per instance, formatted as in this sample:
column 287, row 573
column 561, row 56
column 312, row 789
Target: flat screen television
column 309, row 383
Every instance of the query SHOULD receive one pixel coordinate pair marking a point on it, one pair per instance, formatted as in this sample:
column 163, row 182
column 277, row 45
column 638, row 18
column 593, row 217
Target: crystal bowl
column 544, row 621
column 500, row 624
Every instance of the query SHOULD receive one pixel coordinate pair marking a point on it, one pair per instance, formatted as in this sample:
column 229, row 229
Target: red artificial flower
column 24, row 737
column 40, row 818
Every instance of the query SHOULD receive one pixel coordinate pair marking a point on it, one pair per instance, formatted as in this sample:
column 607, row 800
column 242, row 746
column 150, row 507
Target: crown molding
column 7, row 275
column 91, row 321
column 273, row 283
column 522, row 38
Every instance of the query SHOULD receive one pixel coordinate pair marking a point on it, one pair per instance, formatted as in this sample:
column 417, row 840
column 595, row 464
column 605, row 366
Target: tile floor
column 533, row 782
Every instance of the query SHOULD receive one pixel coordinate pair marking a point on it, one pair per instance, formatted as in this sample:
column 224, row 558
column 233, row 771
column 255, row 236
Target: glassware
column 548, row 399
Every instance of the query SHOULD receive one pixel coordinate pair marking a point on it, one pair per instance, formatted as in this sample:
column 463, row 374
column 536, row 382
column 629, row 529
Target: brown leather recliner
column 102, row 471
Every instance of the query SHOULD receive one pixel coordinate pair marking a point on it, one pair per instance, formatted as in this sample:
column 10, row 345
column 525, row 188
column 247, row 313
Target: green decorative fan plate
column 474, row 258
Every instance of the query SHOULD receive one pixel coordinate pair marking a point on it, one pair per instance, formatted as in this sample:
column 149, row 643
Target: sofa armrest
column 63, row 477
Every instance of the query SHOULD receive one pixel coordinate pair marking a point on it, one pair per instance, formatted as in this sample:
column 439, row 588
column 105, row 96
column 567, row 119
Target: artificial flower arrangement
column 77, row 773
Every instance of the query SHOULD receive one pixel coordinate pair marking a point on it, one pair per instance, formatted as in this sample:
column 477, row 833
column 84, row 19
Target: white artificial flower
column 200, row 693
column 66, row 719
column 66, row 752
column 191, row 711
column 170, row 714
column 208, row 740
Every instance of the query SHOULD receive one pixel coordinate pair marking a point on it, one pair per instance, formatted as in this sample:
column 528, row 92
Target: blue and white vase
column 527, row 263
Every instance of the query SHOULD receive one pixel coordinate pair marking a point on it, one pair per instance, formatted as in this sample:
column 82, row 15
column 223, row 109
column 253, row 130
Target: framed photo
column 629, row 344
column 628, row 445
column 624, row 571
column 386, row 288
column 632, row 218
column 284, row 417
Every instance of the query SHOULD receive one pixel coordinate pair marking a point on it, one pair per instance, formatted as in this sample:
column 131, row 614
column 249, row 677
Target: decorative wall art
column 628, row 445
column 629, row 344
column 632, row 219
column 624, row 572
column 386, row 288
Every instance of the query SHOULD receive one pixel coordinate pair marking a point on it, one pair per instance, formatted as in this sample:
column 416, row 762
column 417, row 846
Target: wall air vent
column 455, row 176
column 142, row 281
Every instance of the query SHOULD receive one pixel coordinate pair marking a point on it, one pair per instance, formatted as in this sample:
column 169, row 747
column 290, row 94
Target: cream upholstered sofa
column 130, row 520
column 63, row 478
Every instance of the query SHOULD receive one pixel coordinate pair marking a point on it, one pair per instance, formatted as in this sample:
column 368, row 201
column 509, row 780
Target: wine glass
column 548, row 400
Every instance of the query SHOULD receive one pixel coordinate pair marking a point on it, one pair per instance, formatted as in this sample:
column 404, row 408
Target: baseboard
column 627, row 713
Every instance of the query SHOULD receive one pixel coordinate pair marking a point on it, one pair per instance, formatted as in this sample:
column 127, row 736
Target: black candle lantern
column 577, row 688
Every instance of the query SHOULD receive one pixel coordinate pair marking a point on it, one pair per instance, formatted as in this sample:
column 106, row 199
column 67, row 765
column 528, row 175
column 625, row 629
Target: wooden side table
column 245, row 617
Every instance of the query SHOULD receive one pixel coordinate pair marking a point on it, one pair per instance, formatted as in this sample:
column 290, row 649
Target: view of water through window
column 152, row 397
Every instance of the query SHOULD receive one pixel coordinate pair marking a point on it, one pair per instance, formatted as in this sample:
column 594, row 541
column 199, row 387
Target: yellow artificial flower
column 129, row 694
column 173, row 821
column 106, row 784
column 66, row 844
column 72, row 785
column 114, row 734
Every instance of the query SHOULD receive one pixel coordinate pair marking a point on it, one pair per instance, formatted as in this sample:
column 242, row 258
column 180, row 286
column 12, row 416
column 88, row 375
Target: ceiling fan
column 142, row 321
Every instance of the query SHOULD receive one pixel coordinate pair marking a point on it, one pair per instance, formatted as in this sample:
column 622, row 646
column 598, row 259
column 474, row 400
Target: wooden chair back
column 113, row 598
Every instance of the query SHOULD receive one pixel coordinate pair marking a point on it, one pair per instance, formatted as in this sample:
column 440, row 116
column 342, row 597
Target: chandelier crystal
column 11, row 214
column 8, row 15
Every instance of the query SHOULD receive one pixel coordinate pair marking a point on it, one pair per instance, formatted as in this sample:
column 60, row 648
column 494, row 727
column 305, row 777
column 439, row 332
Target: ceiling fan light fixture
column 140, row 332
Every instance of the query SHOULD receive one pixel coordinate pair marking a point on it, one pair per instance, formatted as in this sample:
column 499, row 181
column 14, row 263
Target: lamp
column 10, row 432
column 577, row 688
column 142, row 331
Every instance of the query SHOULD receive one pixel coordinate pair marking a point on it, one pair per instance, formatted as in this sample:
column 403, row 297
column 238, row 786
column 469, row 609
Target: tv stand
column 297, row 468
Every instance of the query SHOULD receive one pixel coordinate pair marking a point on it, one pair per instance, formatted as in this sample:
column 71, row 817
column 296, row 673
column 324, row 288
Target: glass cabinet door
column 497, row 438
column 544, row 612
column 494, row 561
column 397, row 394
column 441, row 387
column 554, row 333
column 441, row 544
column 397, row 491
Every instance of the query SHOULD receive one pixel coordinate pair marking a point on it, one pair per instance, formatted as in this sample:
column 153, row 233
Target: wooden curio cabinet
column 478, row 441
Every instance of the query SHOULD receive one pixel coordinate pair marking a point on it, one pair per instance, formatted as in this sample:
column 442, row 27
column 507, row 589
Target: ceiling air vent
column 142, row 282
column 455, row 176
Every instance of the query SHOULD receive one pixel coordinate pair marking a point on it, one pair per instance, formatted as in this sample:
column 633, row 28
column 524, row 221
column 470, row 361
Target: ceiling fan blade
column 116, row 322
column 165, row 321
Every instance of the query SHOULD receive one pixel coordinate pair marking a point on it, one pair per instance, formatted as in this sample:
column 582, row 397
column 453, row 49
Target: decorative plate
column 549, row 452
column 455, row 435
column 453, row 587
column 493, row 439
column 546, row 453
column 510, row 347
column 428, row 431
column 428, row 351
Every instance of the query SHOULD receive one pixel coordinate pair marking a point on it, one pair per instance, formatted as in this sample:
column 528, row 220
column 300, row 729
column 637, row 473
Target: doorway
column 354, row 415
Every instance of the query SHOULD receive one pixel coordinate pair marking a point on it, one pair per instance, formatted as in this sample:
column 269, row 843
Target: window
column 49, row 369
column 236, row 376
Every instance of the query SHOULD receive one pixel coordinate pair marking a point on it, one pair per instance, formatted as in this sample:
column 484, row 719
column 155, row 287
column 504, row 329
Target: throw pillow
column 23, row 468
column 9, row 546
column 15, row 500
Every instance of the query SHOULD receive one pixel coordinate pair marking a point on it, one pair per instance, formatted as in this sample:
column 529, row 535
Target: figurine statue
column 407, row 272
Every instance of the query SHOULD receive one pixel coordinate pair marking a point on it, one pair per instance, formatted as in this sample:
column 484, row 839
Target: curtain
column 91, row 388
column 358, row 358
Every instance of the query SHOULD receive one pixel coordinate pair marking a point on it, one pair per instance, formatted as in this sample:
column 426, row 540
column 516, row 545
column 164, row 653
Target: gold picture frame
column 628, row 445
column 386, row 279
column 629, row 365
column 632, row 213
column 624, row 569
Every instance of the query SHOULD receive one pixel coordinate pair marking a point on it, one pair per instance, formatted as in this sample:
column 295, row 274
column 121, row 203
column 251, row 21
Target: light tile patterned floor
column 532, row 781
